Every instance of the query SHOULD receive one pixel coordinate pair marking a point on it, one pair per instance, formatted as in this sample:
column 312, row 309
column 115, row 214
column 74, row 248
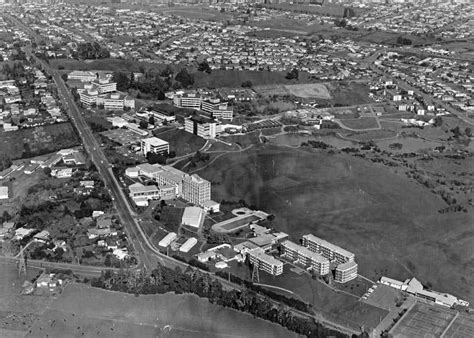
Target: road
column 147, row 253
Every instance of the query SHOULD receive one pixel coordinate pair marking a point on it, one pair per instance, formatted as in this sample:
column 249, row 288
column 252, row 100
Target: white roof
column 155, row 141
column 138, row 188
column 328, row 245
column 305, row 252
column 3, row 191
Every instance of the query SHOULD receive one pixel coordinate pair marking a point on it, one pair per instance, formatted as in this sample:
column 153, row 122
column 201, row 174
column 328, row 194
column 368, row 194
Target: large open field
column 306, row 91
column 90, row 312
column 390, row 222
column 36, row 141
column 181, row 142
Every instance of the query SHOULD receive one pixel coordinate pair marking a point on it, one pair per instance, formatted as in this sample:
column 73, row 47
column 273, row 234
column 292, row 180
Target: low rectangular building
column 168, row 239
column 193, row 216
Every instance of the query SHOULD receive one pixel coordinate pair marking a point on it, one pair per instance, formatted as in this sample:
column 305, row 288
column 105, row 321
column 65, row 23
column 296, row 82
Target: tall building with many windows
column 302, row 255
column 201, row 126
column 188, row 100
column 265, row 262
column 196, row 189
column 217, row 109
column 346, row 272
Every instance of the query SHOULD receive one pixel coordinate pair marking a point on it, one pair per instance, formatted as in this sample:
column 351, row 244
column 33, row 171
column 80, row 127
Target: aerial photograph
column 237, row 168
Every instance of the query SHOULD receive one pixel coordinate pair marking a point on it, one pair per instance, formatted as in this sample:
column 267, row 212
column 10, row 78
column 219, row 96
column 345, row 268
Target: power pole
column 22, row 262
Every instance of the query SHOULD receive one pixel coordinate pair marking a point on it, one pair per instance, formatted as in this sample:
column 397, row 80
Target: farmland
column 87, row 311
column 349, row 201
column 37, row 141
column 307, row 91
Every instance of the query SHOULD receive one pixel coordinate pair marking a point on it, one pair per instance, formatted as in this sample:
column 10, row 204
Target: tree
column 438, row 121
column 293, row 74
column 64, row 77
column 468, row 132
column 403, row 41
column 153, row 158
column 143, row 124
column 204, row 67
column 122, row 79
column 247, row 84
column 185, row 78
column 151, row 120
column 47, row 171
column 167, row 72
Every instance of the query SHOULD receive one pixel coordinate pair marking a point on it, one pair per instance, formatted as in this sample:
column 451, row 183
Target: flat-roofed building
column 104, row 86
column 140, row 192
column 304, row 256
column 217, row 109
column 193, row 216
column 188, row 100
column 328, row 250
column 201, row 126
column 265, row 262
column 346, row 272
column 154, row 145
column 196, row 189
column 161, row 114
column 3, row 193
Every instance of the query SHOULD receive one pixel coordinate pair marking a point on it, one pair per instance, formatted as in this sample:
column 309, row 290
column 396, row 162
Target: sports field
column 390, row 222
column 83, row 311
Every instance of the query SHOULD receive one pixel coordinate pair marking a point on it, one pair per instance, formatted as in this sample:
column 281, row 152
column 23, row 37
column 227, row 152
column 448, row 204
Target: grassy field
column 360, row 123
column 84, row 311
column 390, row 222
column 182, row 142
column 350, row 94
column 235, row 78
column 104, row 64
column 36, row 141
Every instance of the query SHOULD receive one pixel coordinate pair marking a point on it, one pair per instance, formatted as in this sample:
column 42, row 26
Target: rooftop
column 305, row 252
column 328, row 245
column 155, row 141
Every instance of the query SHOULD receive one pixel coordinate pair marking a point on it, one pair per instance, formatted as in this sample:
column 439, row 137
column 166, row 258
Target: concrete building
column 265, row 262
column 217, row 109
column 162, row 115
column 139, row 191
column 193, row 216
column 328, row 250
column 201, row 126
column 104, row 86
column 188, row 100
column 196, row 189
column 168, row 239
column 300, row 254
column 346, row 272
column 154, row 145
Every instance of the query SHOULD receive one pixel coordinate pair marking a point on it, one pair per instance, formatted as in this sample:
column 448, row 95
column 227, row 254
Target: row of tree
column 163, row 280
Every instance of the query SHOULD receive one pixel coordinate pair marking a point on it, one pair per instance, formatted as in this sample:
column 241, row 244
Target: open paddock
column 309, row 91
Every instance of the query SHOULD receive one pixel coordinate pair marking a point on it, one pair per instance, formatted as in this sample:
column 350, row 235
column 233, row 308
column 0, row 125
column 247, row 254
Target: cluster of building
column 29, row 108
column 97, row 91
column 211, row 107
column 170, row 183
column 414, row 287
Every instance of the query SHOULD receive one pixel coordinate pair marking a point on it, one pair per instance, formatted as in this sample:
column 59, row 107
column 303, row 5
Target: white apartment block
column 188, row 101
column 104, row 86
column 139, row 190
column 346, row 272
column 154, row 145
column 265, row 262
column 302, row 255
column 201, row 126
column 328, row 250
column 196, row 189
column 217, row 109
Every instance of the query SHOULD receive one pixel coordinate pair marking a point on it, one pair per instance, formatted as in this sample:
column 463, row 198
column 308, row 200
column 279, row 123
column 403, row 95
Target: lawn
column 390, row 222
column 360, row 123
column 112, row 65
column 86, row 311
column 350, row 94
column 243, row 140
column 181, row 142
column 235, row 78
column 31, row 142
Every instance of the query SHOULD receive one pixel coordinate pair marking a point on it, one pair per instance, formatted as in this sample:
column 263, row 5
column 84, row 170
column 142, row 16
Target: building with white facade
column 196, row 189
column 328, row 250
column 104, row 86
column 201, row 126
column 217, row 109
column 82, row 76
column 300, row 254
column 140, row 193
column 188, row 245
column 168, row 239
column 346, row 272
column 188, row 100
column 154, row 145
column 265, row 262
column 193, row 216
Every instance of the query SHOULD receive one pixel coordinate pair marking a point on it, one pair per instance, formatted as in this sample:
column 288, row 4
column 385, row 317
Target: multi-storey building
column 196, row 189
column 302, row 255
column 265, row 262
column 188, row 100
column 82, row 76
column 328, row 250
column 154, row 145
column 217, row 109
column 104, row 86
column 201, row 126
column 346, row 272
